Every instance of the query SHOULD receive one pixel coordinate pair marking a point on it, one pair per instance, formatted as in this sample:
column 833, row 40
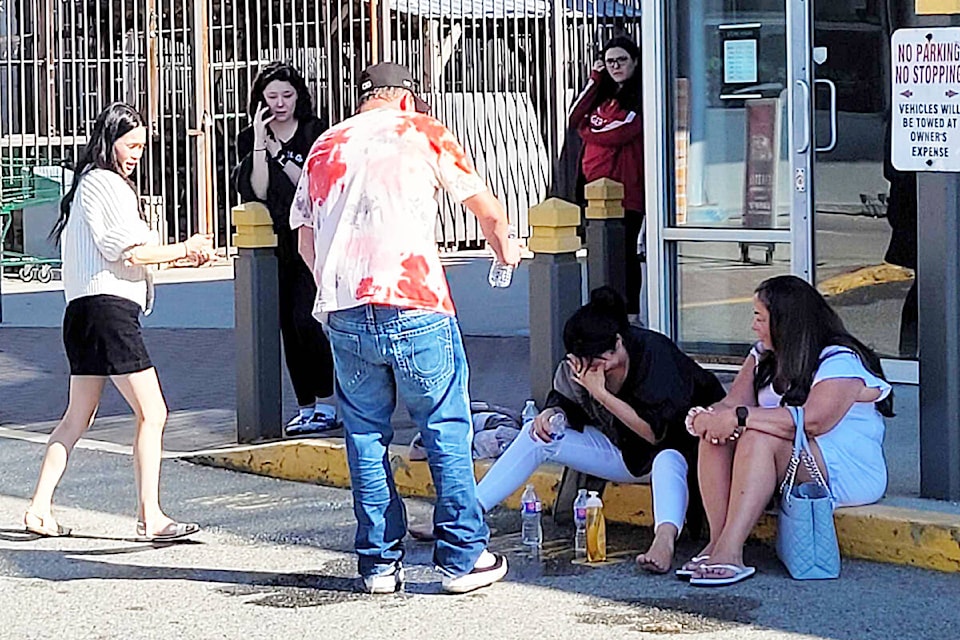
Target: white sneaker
column 318, row 422
column 385, row 582
column 298, row 421
column 488, row 569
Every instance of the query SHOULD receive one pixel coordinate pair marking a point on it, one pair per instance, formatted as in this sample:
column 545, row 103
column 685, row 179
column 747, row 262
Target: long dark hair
column 284, row 73
column 627, row 96
column 802, row 325
column 115, row 121
column 593, row 328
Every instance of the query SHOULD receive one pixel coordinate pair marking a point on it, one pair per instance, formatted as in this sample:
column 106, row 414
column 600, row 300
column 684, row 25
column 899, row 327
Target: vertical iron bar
column 202, row 122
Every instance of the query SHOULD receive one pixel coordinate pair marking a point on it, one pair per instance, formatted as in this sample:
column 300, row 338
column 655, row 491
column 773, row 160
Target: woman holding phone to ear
column 272, row 153
column 607, row 115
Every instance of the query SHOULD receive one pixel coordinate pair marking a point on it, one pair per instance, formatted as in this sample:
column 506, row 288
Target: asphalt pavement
column 274, row 557
column 274, row 561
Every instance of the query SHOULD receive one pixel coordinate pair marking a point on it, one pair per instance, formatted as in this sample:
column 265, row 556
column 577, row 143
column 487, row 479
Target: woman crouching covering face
column 625, row 392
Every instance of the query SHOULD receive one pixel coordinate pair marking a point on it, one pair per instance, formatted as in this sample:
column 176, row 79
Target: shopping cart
column 21, row 188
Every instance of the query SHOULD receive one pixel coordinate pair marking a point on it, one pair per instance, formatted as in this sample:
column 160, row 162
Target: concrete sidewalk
column 190, row 339
column 925, row 534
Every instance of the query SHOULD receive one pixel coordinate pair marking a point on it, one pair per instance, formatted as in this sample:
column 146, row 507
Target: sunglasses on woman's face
column 616, row 63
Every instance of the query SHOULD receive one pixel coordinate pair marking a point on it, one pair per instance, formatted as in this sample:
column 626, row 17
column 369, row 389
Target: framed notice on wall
column 740, row 57
column 762, row 155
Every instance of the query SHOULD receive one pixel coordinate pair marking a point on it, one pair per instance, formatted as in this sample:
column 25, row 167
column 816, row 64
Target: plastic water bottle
column 528, row 414
column 596, row 529
column 501, row 275
column 558, row 426
column 580, row 520
column 531, row 531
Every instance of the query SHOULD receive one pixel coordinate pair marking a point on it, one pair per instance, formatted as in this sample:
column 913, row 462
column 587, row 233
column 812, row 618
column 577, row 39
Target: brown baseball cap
column 391, row 74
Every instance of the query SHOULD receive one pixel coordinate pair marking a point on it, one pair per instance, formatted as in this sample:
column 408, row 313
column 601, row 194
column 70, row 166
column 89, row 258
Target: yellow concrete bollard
column 254, row 226
column 604, row 199
column 554, row 227
column 555, row 284
column 606, row 235
column 256, row 325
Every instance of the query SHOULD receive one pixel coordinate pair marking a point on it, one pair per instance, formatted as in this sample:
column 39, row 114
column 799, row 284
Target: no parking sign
column 926, row 99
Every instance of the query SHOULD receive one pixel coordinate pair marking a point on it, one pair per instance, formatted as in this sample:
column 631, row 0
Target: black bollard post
column 257, row 319
column 555, row 285
column 606, row 236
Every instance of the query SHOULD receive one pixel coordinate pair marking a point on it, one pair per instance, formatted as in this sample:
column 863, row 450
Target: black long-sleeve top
column 662, row 384
column 281, row 189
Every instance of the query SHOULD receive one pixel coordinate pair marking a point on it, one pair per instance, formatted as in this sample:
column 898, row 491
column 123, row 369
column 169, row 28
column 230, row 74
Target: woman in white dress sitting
column 804, row 357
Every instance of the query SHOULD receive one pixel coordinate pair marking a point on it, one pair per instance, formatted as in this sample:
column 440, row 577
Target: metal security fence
column 500, row 73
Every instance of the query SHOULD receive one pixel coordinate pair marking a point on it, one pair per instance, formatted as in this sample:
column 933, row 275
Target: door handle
column 805, row 146
column 833, row 113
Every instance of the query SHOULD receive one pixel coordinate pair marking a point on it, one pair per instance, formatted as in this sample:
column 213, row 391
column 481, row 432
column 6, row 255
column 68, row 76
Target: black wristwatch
column 742, row 413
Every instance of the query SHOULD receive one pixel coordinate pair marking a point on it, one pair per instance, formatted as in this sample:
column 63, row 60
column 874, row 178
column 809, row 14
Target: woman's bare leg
column 760, row 462
column 81, row 408
column 715, row 468
column 142, row 392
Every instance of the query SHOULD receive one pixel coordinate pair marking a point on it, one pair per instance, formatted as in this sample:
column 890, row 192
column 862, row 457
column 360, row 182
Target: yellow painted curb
column 925, row 539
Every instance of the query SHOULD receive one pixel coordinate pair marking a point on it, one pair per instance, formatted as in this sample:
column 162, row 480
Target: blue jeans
column 380, row 352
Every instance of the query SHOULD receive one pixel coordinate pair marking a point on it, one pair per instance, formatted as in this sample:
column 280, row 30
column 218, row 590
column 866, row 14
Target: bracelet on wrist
column 260, row 149
column 737, row 432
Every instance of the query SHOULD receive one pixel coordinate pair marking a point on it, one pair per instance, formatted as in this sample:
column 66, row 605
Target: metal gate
column 500, row 73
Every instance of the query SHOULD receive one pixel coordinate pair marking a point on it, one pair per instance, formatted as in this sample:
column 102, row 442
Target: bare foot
column 659, row 556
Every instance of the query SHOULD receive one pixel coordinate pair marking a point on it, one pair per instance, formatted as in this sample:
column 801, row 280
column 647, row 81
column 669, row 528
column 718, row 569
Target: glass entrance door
column 736, row 155
column 771, row 146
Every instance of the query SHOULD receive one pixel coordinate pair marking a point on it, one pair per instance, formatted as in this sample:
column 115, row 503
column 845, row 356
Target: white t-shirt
column 853, row 448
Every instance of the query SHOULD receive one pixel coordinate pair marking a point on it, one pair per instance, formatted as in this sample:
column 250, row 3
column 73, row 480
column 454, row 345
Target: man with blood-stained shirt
column 366, row 209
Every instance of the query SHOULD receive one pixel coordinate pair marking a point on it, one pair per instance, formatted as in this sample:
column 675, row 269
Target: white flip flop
column 739, row 574
column 685, row 571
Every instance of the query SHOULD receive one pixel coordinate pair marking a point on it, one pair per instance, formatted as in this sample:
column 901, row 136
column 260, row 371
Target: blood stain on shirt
column 413, row 281
column 440, row 139
column 326, row 165
column 366, row 288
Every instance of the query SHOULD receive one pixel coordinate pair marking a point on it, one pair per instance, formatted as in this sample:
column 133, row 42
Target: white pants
column 592, row 453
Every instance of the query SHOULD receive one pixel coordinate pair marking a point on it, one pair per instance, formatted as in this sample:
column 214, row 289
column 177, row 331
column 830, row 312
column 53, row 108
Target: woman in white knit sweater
column 107, row 248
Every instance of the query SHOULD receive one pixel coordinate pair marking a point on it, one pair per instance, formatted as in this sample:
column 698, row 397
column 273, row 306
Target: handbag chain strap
column 800, row 453
column 787, row 485
column 813, row 468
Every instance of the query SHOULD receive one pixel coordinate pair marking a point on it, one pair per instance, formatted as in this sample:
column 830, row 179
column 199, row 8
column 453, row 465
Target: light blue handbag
column 806, row 535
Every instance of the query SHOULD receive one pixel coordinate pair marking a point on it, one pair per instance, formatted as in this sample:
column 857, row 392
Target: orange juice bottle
column 596, row 529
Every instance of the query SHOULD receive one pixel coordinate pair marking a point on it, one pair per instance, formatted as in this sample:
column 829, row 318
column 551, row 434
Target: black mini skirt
column 102, row 336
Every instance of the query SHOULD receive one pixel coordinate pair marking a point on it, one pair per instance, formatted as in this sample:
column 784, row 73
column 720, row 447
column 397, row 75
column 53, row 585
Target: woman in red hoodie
column 607, row 117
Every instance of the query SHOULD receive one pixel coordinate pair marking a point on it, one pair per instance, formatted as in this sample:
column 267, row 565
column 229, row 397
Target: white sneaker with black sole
column 390, row 582
column 489, row 568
